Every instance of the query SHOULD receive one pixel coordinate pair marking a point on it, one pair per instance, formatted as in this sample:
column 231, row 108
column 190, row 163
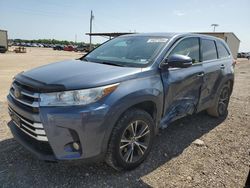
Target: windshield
column 134, row 51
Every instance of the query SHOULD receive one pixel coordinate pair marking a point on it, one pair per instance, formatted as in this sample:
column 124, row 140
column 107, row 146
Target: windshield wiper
column 102, row 62
column 109, row 63
column 84, row 59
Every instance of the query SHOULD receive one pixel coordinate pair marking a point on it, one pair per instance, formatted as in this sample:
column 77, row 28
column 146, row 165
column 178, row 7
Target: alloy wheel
column 223, row 101
column 134, row 141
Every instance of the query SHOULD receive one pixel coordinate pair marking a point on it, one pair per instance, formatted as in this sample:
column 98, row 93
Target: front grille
column 25, row 97
column 33, row 129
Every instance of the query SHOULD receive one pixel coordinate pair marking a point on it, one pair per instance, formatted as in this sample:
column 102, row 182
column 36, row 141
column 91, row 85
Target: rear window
column 208, row 50
column 222, row 51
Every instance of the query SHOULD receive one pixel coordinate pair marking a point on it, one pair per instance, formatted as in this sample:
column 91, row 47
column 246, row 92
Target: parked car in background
column 70, row 48
column 58, row 47
column 40, row 45
column 3, row 49
column 244, row 55
column 45, row 45
column 247, row 55
column 11, row 43
column 27, row 45
column 82, row 48
column 34, row 45
column 110, row 104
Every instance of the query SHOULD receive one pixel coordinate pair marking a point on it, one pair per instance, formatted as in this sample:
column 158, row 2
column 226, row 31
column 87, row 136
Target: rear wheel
column 222, row 101
column 131, row 140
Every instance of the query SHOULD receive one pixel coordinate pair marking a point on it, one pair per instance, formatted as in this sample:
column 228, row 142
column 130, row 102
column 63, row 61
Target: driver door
column 182, row 85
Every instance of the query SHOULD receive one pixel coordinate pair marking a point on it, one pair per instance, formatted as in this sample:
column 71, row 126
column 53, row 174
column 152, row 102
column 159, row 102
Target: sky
column 69, row 20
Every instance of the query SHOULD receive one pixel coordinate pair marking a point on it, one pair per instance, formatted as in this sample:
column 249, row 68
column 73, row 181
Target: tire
column 222, row 101
column 125, row 150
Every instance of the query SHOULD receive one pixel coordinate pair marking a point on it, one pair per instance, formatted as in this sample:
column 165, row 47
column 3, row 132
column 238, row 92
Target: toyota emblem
column 17, row 92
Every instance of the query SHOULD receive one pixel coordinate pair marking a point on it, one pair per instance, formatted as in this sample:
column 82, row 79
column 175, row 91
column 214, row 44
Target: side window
column 208, row 50
column 222, row 51
column 189, row 47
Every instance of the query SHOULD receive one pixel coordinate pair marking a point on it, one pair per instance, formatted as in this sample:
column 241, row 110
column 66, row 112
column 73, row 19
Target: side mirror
column 178, row 61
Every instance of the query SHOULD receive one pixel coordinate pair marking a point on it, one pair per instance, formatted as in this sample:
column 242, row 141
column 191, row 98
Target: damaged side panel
column 182, row 92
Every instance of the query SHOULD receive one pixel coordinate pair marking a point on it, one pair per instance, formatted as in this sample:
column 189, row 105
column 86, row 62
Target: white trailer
column 230, row 38
column 3, row 41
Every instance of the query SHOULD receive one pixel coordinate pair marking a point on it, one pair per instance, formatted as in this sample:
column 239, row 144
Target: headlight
column 76, row 97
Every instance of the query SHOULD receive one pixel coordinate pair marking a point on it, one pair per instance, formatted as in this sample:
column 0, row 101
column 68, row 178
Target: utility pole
column 90, row 30
column 214, row 25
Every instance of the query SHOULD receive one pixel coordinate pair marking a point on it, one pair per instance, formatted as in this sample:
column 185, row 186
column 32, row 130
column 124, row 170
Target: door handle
column 222, row 66
column 200, row 74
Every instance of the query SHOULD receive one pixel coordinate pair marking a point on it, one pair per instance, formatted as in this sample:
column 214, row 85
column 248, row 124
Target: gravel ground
column 219, row 158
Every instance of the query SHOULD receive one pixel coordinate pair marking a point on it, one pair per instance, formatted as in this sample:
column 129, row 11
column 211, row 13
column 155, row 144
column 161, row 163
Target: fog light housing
column 73, row 147
column 76, row 146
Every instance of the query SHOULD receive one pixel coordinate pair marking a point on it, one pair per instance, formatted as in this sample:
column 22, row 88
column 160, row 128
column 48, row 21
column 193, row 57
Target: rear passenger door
column 213, row 72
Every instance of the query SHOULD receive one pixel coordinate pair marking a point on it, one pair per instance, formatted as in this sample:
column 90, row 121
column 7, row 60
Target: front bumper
column 85, row 125
column 41, row 149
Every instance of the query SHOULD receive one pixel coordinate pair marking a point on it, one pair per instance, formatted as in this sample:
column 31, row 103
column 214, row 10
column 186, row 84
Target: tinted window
column 222, row 51
column 208, row 50
column 188, row 47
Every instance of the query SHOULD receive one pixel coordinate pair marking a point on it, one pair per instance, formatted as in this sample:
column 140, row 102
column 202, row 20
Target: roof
column 169, row 35
column 223, row 33
column 109, row 34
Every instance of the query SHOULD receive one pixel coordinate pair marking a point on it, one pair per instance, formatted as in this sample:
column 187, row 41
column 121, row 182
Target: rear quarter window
column 222, row 51
column 208, row 50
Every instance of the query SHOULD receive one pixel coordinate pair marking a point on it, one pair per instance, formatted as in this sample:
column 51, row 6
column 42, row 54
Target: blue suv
column 109, row 104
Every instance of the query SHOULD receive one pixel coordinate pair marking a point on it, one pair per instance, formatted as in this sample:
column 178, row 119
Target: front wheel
column 131, row 140
column 222, row 101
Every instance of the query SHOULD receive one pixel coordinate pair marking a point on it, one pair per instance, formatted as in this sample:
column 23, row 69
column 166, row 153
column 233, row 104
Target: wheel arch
column 149, row 104
column 229, row 80
column 231, row 84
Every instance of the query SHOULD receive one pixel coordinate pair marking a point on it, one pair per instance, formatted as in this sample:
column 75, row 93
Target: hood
column 76, row 74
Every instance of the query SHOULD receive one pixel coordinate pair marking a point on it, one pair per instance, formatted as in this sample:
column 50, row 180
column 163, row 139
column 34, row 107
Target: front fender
column 127, row 95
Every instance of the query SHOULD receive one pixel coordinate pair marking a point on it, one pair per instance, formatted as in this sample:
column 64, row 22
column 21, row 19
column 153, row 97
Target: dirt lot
column 175, row 161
